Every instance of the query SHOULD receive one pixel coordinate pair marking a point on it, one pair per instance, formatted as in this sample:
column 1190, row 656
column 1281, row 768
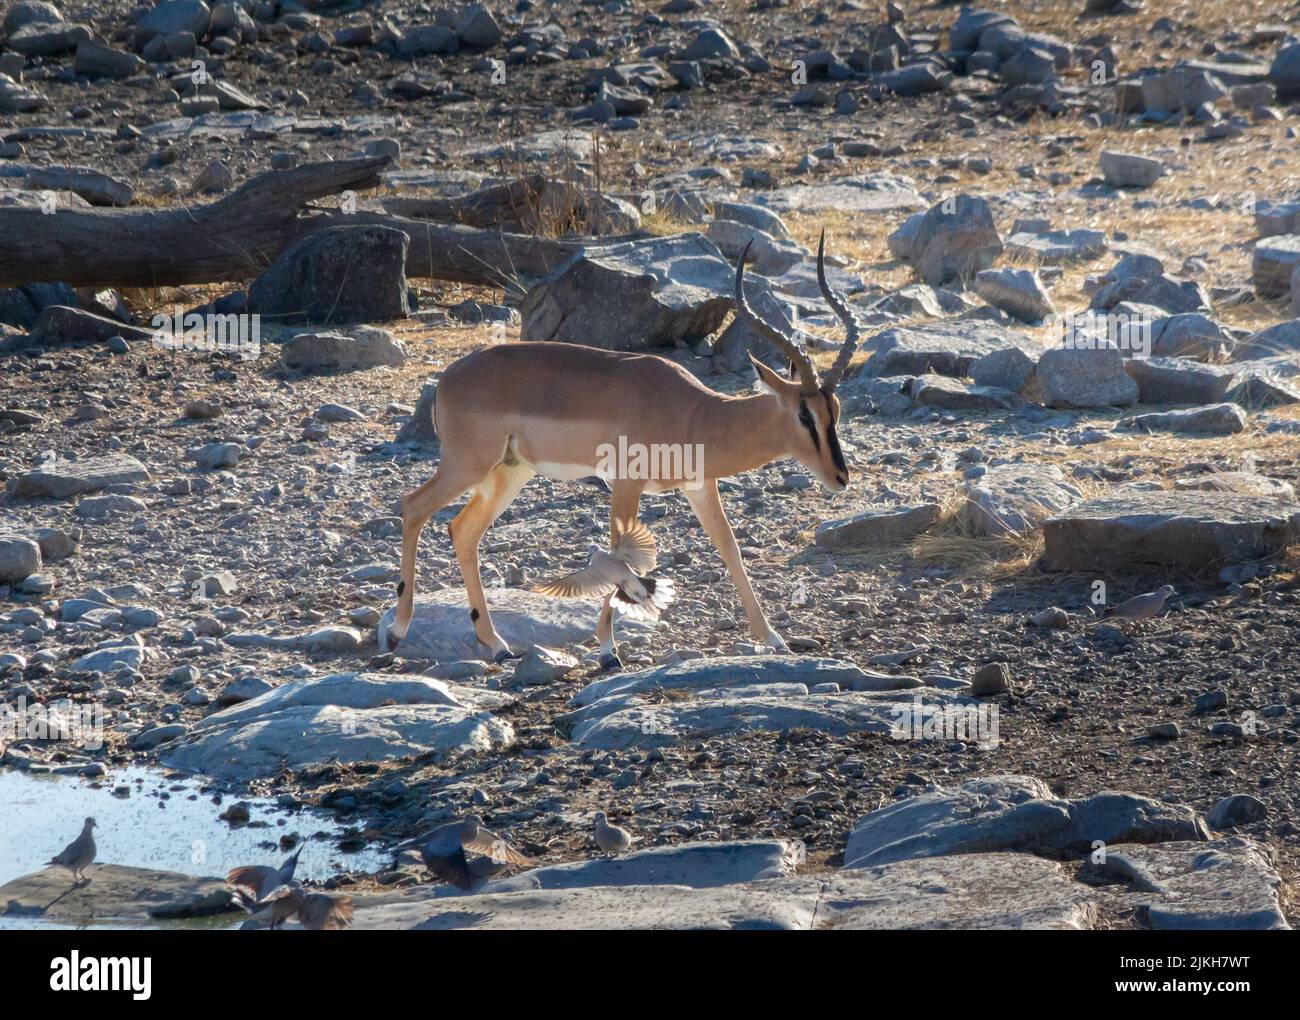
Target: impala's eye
column 805, row 416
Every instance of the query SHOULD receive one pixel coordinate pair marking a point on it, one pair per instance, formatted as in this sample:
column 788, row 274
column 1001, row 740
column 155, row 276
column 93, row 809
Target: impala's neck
column 742, row 433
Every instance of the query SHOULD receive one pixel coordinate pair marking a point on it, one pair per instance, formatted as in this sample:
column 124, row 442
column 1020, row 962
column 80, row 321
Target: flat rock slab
column 345, row 718
column 603, row 908
column 114, row 893
column 877, row 193
column 660, row 725
column 1211, row 420
column 1006, row 891
column 1012, row 813
column 65, row 478
column 1187, row 530
column 878, row 525
column 441, row 629
column 323, row 640
column 976, row 891
column 1225, row 884
column 361, row 691
column 726, row 671
column 696, row 865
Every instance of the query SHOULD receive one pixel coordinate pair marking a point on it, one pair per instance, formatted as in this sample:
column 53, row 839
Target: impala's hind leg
column 624, row 506
column 496, row 492
column 447, row 483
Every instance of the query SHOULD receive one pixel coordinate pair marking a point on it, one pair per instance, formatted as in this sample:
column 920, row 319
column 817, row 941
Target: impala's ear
column 769, row 377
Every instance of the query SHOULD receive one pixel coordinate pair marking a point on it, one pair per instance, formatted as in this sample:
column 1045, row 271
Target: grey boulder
column 1192, row 530
column 341, row 274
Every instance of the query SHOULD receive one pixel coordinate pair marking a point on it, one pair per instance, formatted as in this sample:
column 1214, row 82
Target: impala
column 508, row 412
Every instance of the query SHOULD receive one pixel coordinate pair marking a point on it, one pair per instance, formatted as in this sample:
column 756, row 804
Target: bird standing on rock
column 1144, row 607
column 315, row 911
column 79, row 854
column 256, row 882
column 443, row 852
column 612, row 839
column 618, row 569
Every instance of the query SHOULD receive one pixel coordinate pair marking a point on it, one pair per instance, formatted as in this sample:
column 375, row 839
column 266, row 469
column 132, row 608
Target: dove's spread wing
column 258, row 879
column 491, row 845
column 320, row 912
column 634, row 545
column 453, row 868
column 292, row 892
column 584, row 583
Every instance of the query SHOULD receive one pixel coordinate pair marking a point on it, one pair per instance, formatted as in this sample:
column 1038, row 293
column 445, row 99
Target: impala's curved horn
column 841, row 309
column 808, row 378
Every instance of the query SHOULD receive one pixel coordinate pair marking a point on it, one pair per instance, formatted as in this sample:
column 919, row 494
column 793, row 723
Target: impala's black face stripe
column 810, row 423
column 832, row 439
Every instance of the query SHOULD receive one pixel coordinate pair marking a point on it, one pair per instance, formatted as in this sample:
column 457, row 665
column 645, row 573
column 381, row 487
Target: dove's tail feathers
column 659, row 594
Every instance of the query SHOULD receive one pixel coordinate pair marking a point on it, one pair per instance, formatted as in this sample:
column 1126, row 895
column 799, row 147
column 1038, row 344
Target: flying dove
column 618, row 570
column 443, row 851
column 315, row 911
column 1144, row 607
column 257, row 882
column 79, row 854
column 612, row 839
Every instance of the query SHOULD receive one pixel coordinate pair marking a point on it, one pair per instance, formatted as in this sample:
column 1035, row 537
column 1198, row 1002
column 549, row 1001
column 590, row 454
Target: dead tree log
column 492, row 206
column 236, row 237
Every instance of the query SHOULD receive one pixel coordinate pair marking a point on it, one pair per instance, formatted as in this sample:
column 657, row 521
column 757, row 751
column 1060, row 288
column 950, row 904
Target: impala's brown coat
column 508, row 412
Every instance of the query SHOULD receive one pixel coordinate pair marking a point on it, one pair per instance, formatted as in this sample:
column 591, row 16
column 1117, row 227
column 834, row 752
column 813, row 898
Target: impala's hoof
column 608, row 662
column 505, row 655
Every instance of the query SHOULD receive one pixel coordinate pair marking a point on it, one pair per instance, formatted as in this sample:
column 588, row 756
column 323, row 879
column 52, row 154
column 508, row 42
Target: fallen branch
column 236, row 237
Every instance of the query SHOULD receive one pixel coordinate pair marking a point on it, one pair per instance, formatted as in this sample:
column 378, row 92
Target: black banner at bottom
column 139, row 969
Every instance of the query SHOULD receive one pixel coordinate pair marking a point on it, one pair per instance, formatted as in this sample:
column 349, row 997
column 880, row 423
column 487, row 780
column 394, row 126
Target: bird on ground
column 612, row 839
column 619, row 570
column 79, row 854
column 443, row 852
column 256, row 882
column 1144, row 607
column 316, row 911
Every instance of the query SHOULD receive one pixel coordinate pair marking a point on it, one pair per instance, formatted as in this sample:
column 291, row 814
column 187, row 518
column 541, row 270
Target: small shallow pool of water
column 146, row 820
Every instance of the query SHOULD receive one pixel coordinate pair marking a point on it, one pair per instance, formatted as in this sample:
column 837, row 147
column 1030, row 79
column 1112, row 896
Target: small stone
column 994, row 678
column 1238, row 809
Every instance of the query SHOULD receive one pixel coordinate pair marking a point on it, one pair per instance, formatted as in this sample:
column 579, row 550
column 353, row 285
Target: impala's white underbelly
column 564, row 472
column 572, row 472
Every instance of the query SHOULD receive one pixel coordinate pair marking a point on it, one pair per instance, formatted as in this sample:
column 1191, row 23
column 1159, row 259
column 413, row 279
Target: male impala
column 506, row 413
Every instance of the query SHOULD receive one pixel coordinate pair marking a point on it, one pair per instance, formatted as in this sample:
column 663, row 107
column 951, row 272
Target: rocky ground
column 194, row 540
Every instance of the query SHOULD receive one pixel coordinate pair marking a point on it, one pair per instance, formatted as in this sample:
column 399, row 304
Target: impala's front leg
column 707, row 505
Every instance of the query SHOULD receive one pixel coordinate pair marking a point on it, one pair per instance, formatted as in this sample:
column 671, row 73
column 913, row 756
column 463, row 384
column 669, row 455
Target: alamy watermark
column 657, row 462
column 976, row 724
column 227, row 334
column 1092, row 330
column 81, row 723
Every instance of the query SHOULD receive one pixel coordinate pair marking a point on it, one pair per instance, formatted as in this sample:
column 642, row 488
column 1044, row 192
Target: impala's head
column 807, row 401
